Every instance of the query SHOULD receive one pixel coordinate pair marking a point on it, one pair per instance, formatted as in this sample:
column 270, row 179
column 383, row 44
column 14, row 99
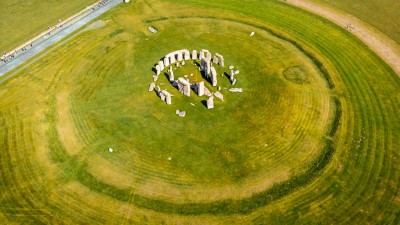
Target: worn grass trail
column 320, row 149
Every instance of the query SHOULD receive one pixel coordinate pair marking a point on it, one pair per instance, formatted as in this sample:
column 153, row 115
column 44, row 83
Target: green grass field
column 22, row 20
column 313, row 138
column 383, row 15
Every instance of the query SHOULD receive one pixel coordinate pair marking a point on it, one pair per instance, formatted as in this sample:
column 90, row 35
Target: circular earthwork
column 297, row 142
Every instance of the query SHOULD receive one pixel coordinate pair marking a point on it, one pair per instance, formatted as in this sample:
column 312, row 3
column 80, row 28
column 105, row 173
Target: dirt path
column 382, row 45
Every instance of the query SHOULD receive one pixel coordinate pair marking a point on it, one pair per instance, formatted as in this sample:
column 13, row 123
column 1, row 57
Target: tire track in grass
column 26, row 201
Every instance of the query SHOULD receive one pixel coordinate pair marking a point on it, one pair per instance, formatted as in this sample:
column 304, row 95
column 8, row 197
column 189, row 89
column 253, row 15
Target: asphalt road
column 55, row 35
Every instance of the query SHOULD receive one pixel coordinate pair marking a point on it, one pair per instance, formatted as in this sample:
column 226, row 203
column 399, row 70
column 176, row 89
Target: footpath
column 34, row 46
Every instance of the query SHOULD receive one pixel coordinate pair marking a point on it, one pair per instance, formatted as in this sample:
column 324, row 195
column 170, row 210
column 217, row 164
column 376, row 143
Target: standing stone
column 152, row 86
column 166, row 61
column 232, row 77
column 171, row 74
column 155, row 78
column 167, row 97
column 186, row 54
column 161, row 64
column 186, row 90
column 213, row 77
column 234, row 82
column 172, row 59
column 194, row 55
column 180, row 56
column 162, row 96
column 200, row 88
column 202, row 54
column 184, row 86
column 158, row 69
column 215, row 59
column 210, row 102
column 220, row 59
column 208, row 55
column 206, row 66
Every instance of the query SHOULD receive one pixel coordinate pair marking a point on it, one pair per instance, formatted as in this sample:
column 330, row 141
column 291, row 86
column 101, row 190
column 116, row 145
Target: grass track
column 358, row 183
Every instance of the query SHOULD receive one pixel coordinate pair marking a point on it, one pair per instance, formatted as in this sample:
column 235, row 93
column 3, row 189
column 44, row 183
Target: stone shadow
column 204, row 102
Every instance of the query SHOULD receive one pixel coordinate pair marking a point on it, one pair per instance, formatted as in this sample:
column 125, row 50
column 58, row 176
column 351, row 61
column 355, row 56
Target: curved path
column 382, row 45
column 56, row 35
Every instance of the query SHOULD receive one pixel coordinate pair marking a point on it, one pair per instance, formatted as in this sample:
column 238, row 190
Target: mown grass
column 383, row 15
column 353, row 177
column 21, row 20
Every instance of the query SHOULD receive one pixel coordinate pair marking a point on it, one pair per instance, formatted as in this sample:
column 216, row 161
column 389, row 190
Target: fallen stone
column 236, row 90
column 182, row 114
column 219, row 95
column 207, row 92
column 152, row 29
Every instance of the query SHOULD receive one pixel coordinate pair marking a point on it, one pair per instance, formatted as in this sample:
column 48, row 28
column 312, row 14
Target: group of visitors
column 8, row 57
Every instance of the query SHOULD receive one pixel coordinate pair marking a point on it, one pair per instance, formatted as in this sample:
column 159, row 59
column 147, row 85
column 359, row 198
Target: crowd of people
column 100, row 4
